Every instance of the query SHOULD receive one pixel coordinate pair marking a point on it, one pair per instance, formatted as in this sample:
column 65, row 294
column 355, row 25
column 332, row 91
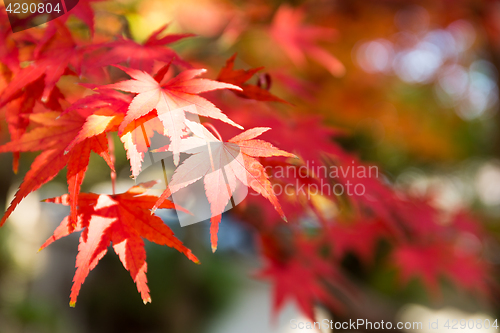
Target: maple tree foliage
column 268, row 133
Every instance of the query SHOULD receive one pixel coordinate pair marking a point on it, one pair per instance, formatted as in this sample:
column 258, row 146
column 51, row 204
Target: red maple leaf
column 123, row 220
column 360, row 237
column 141, row 56
column 84, row 12
column 105, row 114
column 53, row 138
column 170, row 100
column 221, row 164
column 109, row 109
column 240, row 76
column 9, row 53
column 23, row 104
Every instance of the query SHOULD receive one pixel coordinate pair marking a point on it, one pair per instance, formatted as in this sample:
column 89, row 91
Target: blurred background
column 410, row 86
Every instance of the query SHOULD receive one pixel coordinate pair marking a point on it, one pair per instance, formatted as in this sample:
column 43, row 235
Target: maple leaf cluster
column 66, row 129
column 139, row 90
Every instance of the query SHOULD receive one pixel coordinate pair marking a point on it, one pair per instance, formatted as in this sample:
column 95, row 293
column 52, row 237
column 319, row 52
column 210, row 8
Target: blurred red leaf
column 140, row 56
column 299, row 40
